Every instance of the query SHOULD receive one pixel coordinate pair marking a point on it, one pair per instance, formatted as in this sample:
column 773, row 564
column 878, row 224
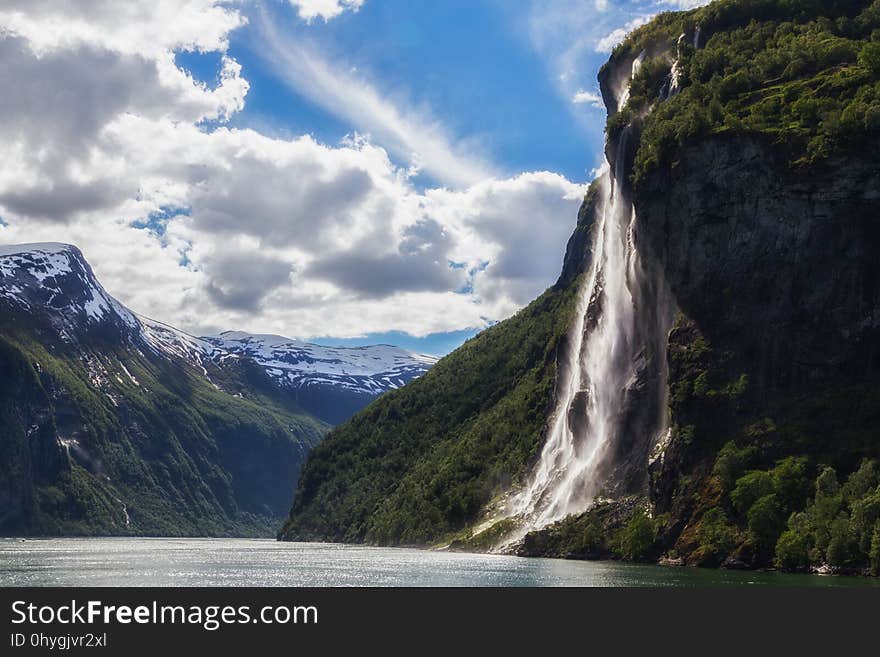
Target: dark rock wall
column 774, row 270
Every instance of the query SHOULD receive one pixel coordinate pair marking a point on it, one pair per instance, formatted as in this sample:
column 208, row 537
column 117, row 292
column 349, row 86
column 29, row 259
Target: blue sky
column 349, row 171
column 464, row 60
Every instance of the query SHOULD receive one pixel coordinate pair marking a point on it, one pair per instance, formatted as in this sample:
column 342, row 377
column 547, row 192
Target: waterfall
column 673, row 82
column 616, row 351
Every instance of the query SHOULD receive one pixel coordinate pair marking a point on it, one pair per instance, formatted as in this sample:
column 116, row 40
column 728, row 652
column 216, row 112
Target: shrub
column 874, row 554
column 793, row 551
column 765, row 522
column 716, row 536
column 637, row 537
column 750, row 488
column 731, row 463
column 869, row 57
column 648, row 82
column 865, row 513
column 862, row 481
column 842, row 549
column 790, row 482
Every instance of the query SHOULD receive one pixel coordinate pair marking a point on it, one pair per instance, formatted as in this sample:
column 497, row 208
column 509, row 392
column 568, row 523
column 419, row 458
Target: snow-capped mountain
column 55, row 281
column 371, row 370
column 103, row 431
column 329, row 382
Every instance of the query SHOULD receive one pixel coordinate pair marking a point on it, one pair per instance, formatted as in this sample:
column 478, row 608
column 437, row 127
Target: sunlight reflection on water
column 250, row 562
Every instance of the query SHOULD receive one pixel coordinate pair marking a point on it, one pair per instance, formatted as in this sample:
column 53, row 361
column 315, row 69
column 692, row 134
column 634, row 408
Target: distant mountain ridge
column 111, row 423
column 371, row 369
column 331, row 383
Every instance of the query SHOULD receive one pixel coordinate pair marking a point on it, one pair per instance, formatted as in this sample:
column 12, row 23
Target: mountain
column 701, row 384
column 115, row 423
column 103, row 430
column 331, row 383
column 421, row 461
column 55, row 282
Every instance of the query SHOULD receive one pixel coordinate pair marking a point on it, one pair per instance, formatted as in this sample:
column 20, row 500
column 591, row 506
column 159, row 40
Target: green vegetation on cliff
column 621, row 529
column 804, row 73
column 786, row 518
column 748, row 476
column 108, row 439
column 783, row 517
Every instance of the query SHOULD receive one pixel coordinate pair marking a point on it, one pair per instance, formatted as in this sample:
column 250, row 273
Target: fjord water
column 265, row 562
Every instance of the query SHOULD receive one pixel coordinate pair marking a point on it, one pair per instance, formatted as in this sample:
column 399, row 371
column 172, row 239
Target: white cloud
column 146, row 27
column 683, row 4
column 516, row 225
column 591, row 98
column 607, row 42
column 60, row 158
column 309, row 10
column 214, row 227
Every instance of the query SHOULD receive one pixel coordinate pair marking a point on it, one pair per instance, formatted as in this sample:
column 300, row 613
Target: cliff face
column 763, row 225
column 775, row 273
column 781, row 260
column 746, row 150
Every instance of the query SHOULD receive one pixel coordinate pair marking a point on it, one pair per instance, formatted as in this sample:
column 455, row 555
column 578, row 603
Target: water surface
column 265, row 562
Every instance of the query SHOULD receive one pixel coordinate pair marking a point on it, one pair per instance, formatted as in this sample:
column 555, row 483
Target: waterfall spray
column 616, row 344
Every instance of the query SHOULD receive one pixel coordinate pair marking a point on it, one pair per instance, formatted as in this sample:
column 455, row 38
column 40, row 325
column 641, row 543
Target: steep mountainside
column 743, row 168
column 103, row 433
column 421, row 462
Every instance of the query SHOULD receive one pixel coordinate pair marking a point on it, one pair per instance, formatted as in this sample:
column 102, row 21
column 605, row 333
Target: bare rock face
column 785, row 257
column 774, row 270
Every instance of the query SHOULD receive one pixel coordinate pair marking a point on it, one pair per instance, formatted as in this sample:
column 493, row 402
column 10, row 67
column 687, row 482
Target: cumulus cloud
column 112, row 146
column 135, row 26
column 514, row 221
column 240, row 279
column 309, row 10
column 60, row 158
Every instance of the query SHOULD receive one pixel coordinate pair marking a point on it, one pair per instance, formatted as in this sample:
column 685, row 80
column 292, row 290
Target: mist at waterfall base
column 611, row 395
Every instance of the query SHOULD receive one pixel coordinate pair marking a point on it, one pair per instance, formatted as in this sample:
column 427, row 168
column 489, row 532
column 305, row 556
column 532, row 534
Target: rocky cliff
column 746, row 145
column 765, row 229
column 774, row 272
